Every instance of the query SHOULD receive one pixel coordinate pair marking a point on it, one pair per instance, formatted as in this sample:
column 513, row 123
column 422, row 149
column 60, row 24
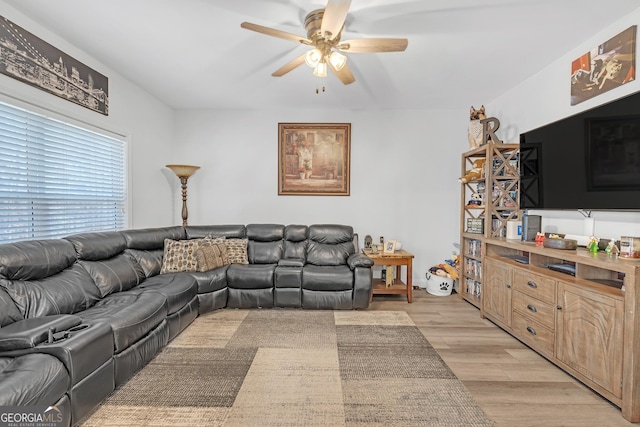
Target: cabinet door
column 589, row 335
column 496, row 299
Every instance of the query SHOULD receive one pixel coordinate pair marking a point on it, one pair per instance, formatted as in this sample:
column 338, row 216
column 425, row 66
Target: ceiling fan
column 324, row 29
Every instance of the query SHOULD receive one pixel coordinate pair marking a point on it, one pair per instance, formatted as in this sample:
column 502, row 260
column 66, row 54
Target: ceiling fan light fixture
column 313, row 58
column 324, row 33
column 320, row 70
column 337, row 60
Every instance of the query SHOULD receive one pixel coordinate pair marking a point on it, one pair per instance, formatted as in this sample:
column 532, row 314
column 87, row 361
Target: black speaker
column 531, row 225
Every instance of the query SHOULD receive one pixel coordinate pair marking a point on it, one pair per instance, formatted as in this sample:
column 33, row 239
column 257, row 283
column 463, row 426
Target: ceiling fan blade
column 373, row 45
column 333, row 18
column 344, row 74
column 275, row 33
column 289, row 66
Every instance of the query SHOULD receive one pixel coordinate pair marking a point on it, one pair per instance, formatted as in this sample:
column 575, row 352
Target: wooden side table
column 398, row 258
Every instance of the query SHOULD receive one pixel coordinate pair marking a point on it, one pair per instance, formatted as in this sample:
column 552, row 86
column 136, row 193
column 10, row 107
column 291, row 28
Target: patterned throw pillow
column 179, row 255
column 237, row 249
column 211, row 255
column 211, row 241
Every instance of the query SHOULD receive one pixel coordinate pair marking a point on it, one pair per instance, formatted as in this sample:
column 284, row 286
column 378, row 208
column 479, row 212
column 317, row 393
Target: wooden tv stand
column 587, row 324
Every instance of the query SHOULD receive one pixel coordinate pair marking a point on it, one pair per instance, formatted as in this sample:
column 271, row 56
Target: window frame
column 75, row 122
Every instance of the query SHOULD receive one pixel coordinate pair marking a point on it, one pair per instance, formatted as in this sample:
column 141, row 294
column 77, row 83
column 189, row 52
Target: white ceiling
column 193, row 53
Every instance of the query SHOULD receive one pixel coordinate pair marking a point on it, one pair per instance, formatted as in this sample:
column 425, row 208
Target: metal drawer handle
column 532, row 284
column 531, row 330
column 532, row 308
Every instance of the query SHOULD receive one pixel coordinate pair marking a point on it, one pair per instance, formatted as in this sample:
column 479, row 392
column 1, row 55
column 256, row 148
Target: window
column 57, row 179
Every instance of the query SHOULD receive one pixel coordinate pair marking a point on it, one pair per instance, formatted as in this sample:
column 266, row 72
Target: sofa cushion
column 177, row 288
column 265, row 232
column 327, row 278
column 330, row 244
column 149, row 260
column 227, row 231
column 98, row 246
column 265, row 252
column 237, row 250
column 265, row 244
column 149, row 239
column 296, row 233
column 35, row 259
column 70, row 291
column 325, row 254
column 211, row 280
column 211, row 255
column 331, row 234
column 115, row 274
column 9, row 313
column 131, row 315
column 32, row 380
column 295, row 241
column 252, row 276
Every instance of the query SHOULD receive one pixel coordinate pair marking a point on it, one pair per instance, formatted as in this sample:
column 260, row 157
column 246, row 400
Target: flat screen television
column 587, row 161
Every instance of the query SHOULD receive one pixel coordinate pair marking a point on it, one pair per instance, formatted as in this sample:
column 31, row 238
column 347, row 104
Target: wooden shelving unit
column 498, row 188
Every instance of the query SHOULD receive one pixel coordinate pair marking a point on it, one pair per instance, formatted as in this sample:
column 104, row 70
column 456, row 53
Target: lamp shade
column 337, row 60
column 313, row 57
column 183, row 170
column 320, row 70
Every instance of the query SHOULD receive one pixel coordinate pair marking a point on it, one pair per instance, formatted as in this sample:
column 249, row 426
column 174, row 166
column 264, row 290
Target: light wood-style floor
column 513, row 384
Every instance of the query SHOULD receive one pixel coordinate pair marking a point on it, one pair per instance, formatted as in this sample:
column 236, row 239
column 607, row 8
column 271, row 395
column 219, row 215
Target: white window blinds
column 57, row 179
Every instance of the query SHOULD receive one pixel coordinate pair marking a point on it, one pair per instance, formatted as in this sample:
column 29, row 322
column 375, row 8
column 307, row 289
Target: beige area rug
column 294, row 368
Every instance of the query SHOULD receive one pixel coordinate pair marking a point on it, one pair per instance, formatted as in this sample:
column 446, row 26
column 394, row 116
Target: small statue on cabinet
column 475, row 126
column 612, row 248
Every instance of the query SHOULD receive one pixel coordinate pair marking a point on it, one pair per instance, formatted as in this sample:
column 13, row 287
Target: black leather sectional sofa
column 80, row 315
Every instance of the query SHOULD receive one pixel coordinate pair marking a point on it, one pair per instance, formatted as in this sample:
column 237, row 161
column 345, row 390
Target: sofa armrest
column 359, row 260
column 28, row 333
column 291, row 262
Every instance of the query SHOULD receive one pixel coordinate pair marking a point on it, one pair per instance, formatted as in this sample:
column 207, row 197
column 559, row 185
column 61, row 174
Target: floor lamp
column 184, row 172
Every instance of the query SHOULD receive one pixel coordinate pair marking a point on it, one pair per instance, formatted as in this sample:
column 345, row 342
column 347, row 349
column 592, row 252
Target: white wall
column 544, row 98
column 404, row 170
column 146, row 123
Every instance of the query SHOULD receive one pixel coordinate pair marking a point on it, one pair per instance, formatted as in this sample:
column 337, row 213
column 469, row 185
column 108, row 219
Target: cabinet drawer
column 534, row 309
column 535, row 285
column 533, row 333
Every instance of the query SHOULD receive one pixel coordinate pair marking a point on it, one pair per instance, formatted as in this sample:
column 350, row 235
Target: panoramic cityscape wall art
column 31, row 60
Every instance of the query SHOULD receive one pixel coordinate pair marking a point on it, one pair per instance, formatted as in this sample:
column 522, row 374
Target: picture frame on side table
column 390, row 247
column 314, row 159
